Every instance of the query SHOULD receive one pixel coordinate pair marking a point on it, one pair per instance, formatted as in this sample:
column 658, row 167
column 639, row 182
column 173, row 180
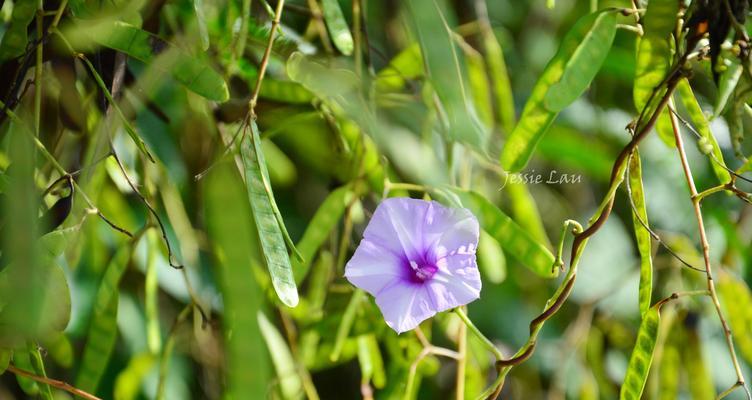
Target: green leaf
column 515, row 241
column 480, row 86
column 271, row 230
column 371, row 363
column 697, row 117
column 491, row 259
column 15, row 37
column 642, row 356
column 644, row 240
column 726, row 85
column 198, row 7
column 5, row 356
column 502, row 86
column 192, row 72
column 99, row 346
column 525, row 211
column 574, row 66
column 443, row 69
column 654, row 49
column 317, row 232
column 151, row 291
column 59, row 347
column 128, row 382
column 230, row 228
column 701, row 384
column 289, row 380
column 22, row 360
column 668, row 372
column 406, row 65
column 736, row 299
column 338, row 29
column 111, row 279
column 654, row 60
column 583, row 62
column 285, row 91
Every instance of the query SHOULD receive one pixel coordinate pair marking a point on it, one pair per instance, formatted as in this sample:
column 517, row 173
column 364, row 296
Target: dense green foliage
column 182, row 184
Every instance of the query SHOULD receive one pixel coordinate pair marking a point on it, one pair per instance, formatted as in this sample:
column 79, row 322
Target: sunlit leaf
column 565, row 78
column 198, row 6
column 502, row 88
column 335, row 22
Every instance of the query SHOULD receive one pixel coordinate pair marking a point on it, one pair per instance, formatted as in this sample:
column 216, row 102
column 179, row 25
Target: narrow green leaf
column 337, row 25
column 642, row 356
column 271, row 229
column 192, row 72
column 515, row 241
column 128, row 382
column 726, row 85
column 736, row 299
column 100, row 344
column 317, row 231
column 348, row 318
column 151, row 291
column 198, row 7
column 574, row 66
column 525, row 212
column 644, row 240
column 230, row 228
column 22, row 360
column 371, row 363
column 442, row 64
column 491, row 259
column 697, row 117
column 15, row 37
column 502, row 86
column 480, row 86
column 111, row 279
column 583, row 62
column 289, row 380
column 37, row 363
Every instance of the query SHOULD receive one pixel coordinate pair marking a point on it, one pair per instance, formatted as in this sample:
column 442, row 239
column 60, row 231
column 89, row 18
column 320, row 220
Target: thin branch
column 706, row 253
column 52, row 382
column 265, row 58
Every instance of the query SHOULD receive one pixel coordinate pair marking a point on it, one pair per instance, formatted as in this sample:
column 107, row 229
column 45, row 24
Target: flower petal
column 450, row 230
column 405, row 305
column 456, row 283
column 372, row 267
column 397, row 225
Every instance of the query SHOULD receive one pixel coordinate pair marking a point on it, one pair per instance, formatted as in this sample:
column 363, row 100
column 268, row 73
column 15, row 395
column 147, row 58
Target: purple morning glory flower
column 417, row 258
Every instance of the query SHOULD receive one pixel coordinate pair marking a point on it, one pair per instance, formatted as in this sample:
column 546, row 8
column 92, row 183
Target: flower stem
column 486, row 342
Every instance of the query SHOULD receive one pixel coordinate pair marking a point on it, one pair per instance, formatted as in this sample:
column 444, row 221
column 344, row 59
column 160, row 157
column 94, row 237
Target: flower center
column 422, row 271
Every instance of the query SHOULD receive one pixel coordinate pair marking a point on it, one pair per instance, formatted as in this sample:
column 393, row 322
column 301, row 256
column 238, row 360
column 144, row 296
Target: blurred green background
column 359, row 99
